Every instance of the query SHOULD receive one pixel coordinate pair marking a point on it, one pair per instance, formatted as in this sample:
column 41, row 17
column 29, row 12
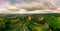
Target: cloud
column 26, row 6
column 30, row 1
column 33, row 6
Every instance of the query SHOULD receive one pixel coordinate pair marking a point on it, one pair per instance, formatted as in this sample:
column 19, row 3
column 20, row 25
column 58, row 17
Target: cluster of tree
column 46, row 22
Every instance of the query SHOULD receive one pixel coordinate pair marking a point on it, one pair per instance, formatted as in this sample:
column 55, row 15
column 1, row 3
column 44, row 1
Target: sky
column 27, row 4
column 20, row 1
column 12, row 2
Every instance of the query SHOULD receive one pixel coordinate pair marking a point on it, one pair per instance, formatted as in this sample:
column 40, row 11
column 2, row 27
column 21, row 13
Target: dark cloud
column 30, row 0
column 16, row 1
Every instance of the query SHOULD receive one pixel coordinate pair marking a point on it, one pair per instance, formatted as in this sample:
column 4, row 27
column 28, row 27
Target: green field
column 30, row 22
